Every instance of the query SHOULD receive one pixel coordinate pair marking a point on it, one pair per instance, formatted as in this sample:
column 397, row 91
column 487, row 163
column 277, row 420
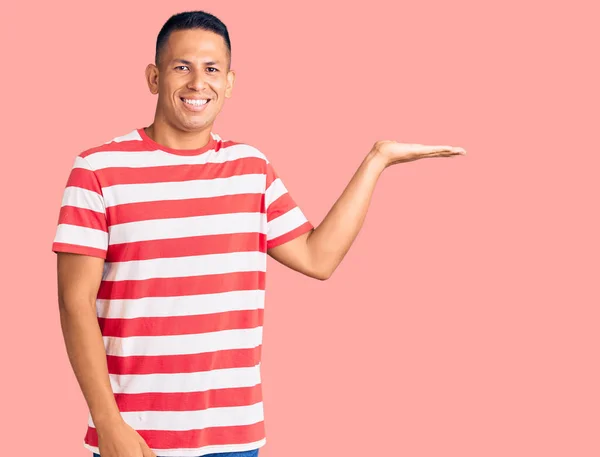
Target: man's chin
column 194, row 127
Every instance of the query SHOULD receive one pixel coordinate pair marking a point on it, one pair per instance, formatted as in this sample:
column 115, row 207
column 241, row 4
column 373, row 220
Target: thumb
column 146, row 451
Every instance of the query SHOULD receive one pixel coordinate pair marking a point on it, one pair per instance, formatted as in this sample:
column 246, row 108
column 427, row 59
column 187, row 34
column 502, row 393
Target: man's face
column 192, row 67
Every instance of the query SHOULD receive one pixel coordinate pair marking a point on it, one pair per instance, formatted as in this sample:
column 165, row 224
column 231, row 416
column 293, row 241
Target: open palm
column 393, row 152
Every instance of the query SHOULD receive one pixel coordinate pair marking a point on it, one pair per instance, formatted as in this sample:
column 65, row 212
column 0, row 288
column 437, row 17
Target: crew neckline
column 212, row 144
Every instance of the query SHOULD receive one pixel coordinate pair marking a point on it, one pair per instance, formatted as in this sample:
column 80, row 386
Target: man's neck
column 177, row 139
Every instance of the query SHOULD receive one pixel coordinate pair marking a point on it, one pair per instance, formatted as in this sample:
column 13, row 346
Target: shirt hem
column 289, row 236
column 196, row 452
column 76, row 249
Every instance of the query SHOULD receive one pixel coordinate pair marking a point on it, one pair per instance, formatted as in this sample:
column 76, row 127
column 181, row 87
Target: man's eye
column 212, row 68
column 181, row 66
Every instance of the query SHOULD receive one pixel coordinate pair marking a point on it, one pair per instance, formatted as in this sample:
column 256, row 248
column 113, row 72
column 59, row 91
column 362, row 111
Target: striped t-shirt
column 184, row 235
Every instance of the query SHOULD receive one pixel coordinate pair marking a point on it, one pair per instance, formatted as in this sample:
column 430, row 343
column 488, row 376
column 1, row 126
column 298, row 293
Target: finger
column 440, row 150
column 146, row 451
column 431, row 151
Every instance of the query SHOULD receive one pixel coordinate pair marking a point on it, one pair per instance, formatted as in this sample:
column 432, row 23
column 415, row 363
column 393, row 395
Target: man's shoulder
column 240, row 148
column 104, row 154
column 131, row 141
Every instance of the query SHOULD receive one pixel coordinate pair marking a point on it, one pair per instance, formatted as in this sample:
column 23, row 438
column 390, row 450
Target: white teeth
column 195, row 102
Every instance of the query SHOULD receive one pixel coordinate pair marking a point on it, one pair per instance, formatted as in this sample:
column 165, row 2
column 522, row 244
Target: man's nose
column 196, row 81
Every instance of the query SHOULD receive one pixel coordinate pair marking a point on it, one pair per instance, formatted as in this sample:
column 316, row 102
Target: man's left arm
column 318, row 253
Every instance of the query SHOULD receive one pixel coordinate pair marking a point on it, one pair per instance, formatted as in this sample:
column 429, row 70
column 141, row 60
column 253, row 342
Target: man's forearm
column 331, row 240
column 87, row 355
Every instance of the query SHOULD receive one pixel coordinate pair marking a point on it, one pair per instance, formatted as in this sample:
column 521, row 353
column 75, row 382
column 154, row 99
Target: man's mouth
column 195, row 105
column 195, row 101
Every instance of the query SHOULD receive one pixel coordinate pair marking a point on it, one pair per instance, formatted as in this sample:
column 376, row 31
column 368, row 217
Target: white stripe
column 285, row 223
column 202, row 188
column 194, row 420
column 162, row 229
column 81, row 236
column 131, row 136
column 200, row 381
column 183, row 267
column 183, row 344
column 188, row 305
column 275, row 190
column 80, row 162
column 83, row 198
column 156, row 158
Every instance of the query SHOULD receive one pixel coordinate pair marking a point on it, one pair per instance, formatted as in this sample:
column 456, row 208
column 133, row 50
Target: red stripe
column 82, row 217
column 76, row 249
column 166, row 209
column 194, row 439
column 280, row 206
column 86, row 179
column 189, row 401
column 271, row 175
column 181, row 325
column 184, row 363
column 181, row 247
column 306, row 227
column 178, row 173
column 175, row 287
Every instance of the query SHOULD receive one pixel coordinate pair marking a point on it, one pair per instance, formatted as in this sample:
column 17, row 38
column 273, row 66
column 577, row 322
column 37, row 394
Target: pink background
column 463, row 321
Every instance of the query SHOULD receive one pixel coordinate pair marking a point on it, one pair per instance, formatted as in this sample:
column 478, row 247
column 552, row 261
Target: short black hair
column 191, row 20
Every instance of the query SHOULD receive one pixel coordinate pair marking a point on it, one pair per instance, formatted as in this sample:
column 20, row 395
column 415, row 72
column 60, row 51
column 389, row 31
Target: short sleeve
column 285, row 220
column 82, row 226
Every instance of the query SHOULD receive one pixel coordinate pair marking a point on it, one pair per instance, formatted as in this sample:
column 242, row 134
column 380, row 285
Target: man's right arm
column 79, row 278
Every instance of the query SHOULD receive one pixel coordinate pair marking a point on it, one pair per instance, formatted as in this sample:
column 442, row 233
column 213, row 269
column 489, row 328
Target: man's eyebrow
column 187, row 62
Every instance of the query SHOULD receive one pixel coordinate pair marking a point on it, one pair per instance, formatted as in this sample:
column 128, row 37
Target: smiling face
column 192, row 80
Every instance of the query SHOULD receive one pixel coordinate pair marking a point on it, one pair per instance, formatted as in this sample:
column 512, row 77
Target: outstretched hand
column 318, row 252
column 392, row 152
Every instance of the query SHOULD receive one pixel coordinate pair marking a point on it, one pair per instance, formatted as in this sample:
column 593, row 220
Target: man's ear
column 152, row 78
column 230, row 81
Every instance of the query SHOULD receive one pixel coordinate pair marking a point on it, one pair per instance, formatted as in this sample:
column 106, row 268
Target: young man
column 162, row 242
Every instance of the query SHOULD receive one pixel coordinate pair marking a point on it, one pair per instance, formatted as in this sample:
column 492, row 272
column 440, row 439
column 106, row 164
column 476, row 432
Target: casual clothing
column 184, row 235
column 226, row 454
